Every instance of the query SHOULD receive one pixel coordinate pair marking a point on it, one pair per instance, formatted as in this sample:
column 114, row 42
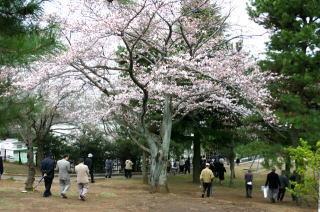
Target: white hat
column 207, row 164
column 90, row 155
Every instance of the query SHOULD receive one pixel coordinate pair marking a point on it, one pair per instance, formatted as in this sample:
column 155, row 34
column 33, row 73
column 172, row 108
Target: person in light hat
column 88, row 162
column 206, row 178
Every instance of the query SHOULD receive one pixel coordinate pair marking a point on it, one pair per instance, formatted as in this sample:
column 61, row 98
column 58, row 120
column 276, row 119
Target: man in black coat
column 1, row 167
column 274, row 183
column 88, row 162
column 47, row 168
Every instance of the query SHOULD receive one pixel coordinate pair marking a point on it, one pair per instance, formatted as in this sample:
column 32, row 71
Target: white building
column 12, row 149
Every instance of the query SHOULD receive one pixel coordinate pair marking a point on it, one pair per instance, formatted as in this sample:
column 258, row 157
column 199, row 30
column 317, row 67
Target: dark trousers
column 187, row 169
column 92, row 177
column 181, row 168
column 47, row 184
column 248, row 190
column 281, row 193
column 206, row 187
column 109, row 172
column 128, row 173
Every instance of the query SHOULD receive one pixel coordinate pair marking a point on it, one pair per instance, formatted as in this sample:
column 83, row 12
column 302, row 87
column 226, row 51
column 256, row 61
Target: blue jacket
column 47, row 167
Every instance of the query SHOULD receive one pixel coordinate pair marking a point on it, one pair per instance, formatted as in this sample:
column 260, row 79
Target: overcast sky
column 254, row 35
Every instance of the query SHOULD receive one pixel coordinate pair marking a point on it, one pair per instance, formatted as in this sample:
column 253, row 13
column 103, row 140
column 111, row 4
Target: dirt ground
column 118, row 194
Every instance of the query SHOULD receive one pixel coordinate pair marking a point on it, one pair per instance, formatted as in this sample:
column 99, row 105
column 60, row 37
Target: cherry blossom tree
column 153, row 62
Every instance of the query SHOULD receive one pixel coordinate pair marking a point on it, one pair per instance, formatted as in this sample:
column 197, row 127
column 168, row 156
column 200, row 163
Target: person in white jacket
column 82, row 179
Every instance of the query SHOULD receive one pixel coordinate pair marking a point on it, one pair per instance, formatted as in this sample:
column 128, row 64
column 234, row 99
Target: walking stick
column 34, row 188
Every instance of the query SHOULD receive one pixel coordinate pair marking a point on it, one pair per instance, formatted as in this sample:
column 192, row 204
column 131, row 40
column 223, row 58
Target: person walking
column 274, row 183
column 181, row 165
column 83, row 173
column 221, row 170
column 248, row 178
column 1, row 167
column 88, row 162
column 284, row 183
column 206, row 178
column 108, row 167
column 128, row 168
column 187, row 166
column 238, row 161
column 47, row 169
column 63, row 166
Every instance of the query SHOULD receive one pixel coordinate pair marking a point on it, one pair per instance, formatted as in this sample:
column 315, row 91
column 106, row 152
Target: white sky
column 255, row 36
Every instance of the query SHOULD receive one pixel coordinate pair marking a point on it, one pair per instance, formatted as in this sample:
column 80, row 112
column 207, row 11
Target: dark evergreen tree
column 293, row 52
column 22, row 39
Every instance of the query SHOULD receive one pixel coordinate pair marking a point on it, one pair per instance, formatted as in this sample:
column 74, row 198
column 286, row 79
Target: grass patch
column 108, row 194
column 17, row 169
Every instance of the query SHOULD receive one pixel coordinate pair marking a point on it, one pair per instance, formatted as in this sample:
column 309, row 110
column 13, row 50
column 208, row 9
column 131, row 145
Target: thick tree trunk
column 160, row 151
column 196, row 159
column 31, row 168
column 158, row 174
column 144, row 168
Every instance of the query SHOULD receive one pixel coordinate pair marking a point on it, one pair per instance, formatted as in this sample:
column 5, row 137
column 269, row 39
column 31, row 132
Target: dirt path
column 130, row 195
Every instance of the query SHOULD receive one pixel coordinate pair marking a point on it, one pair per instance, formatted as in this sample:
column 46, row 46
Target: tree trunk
column 144, row 168
column 287, row 164
column 160, row 150
column 40, row 153
column 158, row 174
column 232, row 170
column 196, row 159
column 231, row 158
column 31, row 168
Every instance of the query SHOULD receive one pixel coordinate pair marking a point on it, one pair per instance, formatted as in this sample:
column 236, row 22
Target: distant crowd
column 275, row 186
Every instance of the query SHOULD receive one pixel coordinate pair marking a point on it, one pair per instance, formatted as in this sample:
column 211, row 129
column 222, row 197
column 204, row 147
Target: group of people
column 216, row 164
column 277, row 185
column 179, row 166
column 63, row 166
column 210, row 169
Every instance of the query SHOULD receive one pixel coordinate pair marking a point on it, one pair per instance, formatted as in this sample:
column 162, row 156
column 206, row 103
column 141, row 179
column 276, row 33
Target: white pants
column 83, row 189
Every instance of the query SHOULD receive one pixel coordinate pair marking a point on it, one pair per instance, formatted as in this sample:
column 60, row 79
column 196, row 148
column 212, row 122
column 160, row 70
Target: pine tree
column 22, row 39
column 293, row 52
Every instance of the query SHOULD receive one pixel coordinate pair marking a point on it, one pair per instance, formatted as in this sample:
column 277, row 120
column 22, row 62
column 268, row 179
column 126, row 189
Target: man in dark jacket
column 88, row 162
column 284, row 183
column 187, row 166
column 47, row 168
column 274, row 183
column 1, row 167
